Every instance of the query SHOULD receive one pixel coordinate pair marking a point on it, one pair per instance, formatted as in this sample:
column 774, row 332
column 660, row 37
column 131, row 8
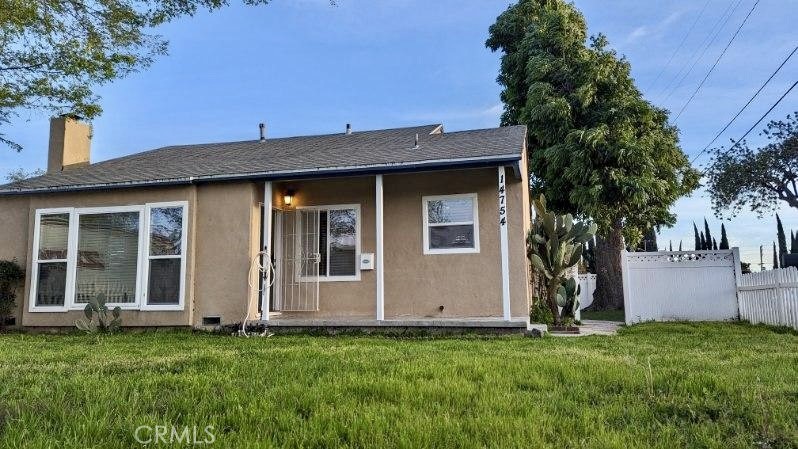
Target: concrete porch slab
column 399, row 325
column 416, row 322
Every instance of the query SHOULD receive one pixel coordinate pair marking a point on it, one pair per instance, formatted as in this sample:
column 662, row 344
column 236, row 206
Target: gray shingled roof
column 280, row 158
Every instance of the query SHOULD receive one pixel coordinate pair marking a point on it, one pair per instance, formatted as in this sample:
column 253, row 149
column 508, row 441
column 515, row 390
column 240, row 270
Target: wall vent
column 211, row 320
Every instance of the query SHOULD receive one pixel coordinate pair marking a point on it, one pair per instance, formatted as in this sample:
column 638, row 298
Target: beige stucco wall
column 13, row 241
column 227, row 238
column 340, row 299
column 416, row 285
column 223, row 237
column 466, row 285
column 103, row 199
column 223, row 217
column 70, row 144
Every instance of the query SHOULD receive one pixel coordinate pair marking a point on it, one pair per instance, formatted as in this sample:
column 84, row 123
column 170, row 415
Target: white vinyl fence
column 770, row 297
column 587, row 285
column 680, row 285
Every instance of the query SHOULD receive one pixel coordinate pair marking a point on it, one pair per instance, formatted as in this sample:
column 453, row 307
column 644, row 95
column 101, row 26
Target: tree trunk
column 609, row 279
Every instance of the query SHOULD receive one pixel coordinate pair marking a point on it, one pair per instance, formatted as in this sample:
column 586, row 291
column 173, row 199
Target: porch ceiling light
column 288, row 198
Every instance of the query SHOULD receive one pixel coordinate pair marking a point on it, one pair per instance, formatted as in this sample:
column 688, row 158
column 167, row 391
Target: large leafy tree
column 54, row 53
column 759, row 179
column 596, row 147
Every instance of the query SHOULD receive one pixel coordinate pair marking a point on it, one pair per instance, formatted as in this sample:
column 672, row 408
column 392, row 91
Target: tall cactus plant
column 554, row 245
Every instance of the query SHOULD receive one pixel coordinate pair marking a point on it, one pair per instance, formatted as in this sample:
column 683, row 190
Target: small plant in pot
column 554, row 246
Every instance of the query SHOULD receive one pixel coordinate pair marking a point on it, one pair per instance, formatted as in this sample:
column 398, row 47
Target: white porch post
column 504, row 250
column 266, row 280
column 379, row 256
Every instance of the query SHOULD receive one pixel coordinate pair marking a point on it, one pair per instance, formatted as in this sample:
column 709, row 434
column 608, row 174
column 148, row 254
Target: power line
column 714, row 32
column 701, row 84
column 681, row 44
column 761, row 118
column 746, row 104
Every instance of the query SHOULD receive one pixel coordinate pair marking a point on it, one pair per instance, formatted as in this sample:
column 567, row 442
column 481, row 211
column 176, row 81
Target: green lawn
column 604, row 315
column 654, row 385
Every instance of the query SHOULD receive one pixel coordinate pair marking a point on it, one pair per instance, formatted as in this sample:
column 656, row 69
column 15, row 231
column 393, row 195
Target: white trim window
column 163, row 283
column 339, row 241
column 50, row 267
column 451, row 224
column 132, row 255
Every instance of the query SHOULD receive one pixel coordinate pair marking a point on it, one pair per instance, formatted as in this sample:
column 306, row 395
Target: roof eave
column 421, row 166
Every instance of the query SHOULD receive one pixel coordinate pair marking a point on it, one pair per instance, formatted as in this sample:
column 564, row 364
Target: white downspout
column 379, row 267
column 503, row 245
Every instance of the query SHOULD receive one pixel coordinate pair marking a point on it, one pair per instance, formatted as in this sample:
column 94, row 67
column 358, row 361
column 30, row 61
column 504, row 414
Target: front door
column 296, row 251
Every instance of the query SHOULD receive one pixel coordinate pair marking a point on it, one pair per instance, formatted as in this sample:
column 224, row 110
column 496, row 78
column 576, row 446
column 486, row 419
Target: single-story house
column 395, row 227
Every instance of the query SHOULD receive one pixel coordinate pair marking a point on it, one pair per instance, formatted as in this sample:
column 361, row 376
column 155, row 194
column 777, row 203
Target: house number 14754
column 502, row 201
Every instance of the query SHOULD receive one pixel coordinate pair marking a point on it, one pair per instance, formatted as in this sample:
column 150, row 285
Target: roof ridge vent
column 415, row 146
column 348, row 129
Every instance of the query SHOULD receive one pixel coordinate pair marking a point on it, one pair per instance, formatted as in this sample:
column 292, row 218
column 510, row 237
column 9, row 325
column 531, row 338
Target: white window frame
column 146, row 257
column 35, row 262
column 426, row 226
column 73, row 253
column 142, row 264
column 328, row 208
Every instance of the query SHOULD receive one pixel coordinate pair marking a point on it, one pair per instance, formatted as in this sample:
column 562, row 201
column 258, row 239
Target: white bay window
column 132, row 255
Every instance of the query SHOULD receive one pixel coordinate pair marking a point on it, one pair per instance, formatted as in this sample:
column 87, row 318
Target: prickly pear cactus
column 554, row 245
column 104, row 323
column 568, row 297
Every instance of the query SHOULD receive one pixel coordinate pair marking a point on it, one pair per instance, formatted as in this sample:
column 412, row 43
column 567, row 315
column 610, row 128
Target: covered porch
column 364, row 251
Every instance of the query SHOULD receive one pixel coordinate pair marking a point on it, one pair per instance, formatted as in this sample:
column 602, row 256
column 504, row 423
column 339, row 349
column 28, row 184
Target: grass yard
column 604, row 315
column 654, row 385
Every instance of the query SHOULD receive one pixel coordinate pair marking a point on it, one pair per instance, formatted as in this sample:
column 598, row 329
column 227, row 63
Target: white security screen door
column 298, row 264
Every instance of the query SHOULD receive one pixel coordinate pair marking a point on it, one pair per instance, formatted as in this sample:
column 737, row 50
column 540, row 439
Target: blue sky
column 304, row 67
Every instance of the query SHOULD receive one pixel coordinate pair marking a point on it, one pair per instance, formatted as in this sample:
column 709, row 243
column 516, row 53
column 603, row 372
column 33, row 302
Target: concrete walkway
column 594, row 327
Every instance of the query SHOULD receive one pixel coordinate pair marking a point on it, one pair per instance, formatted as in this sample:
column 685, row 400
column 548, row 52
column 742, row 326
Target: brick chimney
column 70, row 143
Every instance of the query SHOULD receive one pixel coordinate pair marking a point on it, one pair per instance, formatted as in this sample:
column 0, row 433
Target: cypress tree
column 793, row 243
column 707, row 235
column 714, row 244
column 775, row 257
column 680, row 245
column 724, row 241
column 670, row 245
column 697, row 237
column 703, row 241
column 782, row 239
column 651, row 236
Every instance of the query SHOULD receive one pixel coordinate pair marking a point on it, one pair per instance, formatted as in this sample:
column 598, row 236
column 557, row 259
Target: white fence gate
column 587, row 285
column 770, row 297
column 680, row 285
